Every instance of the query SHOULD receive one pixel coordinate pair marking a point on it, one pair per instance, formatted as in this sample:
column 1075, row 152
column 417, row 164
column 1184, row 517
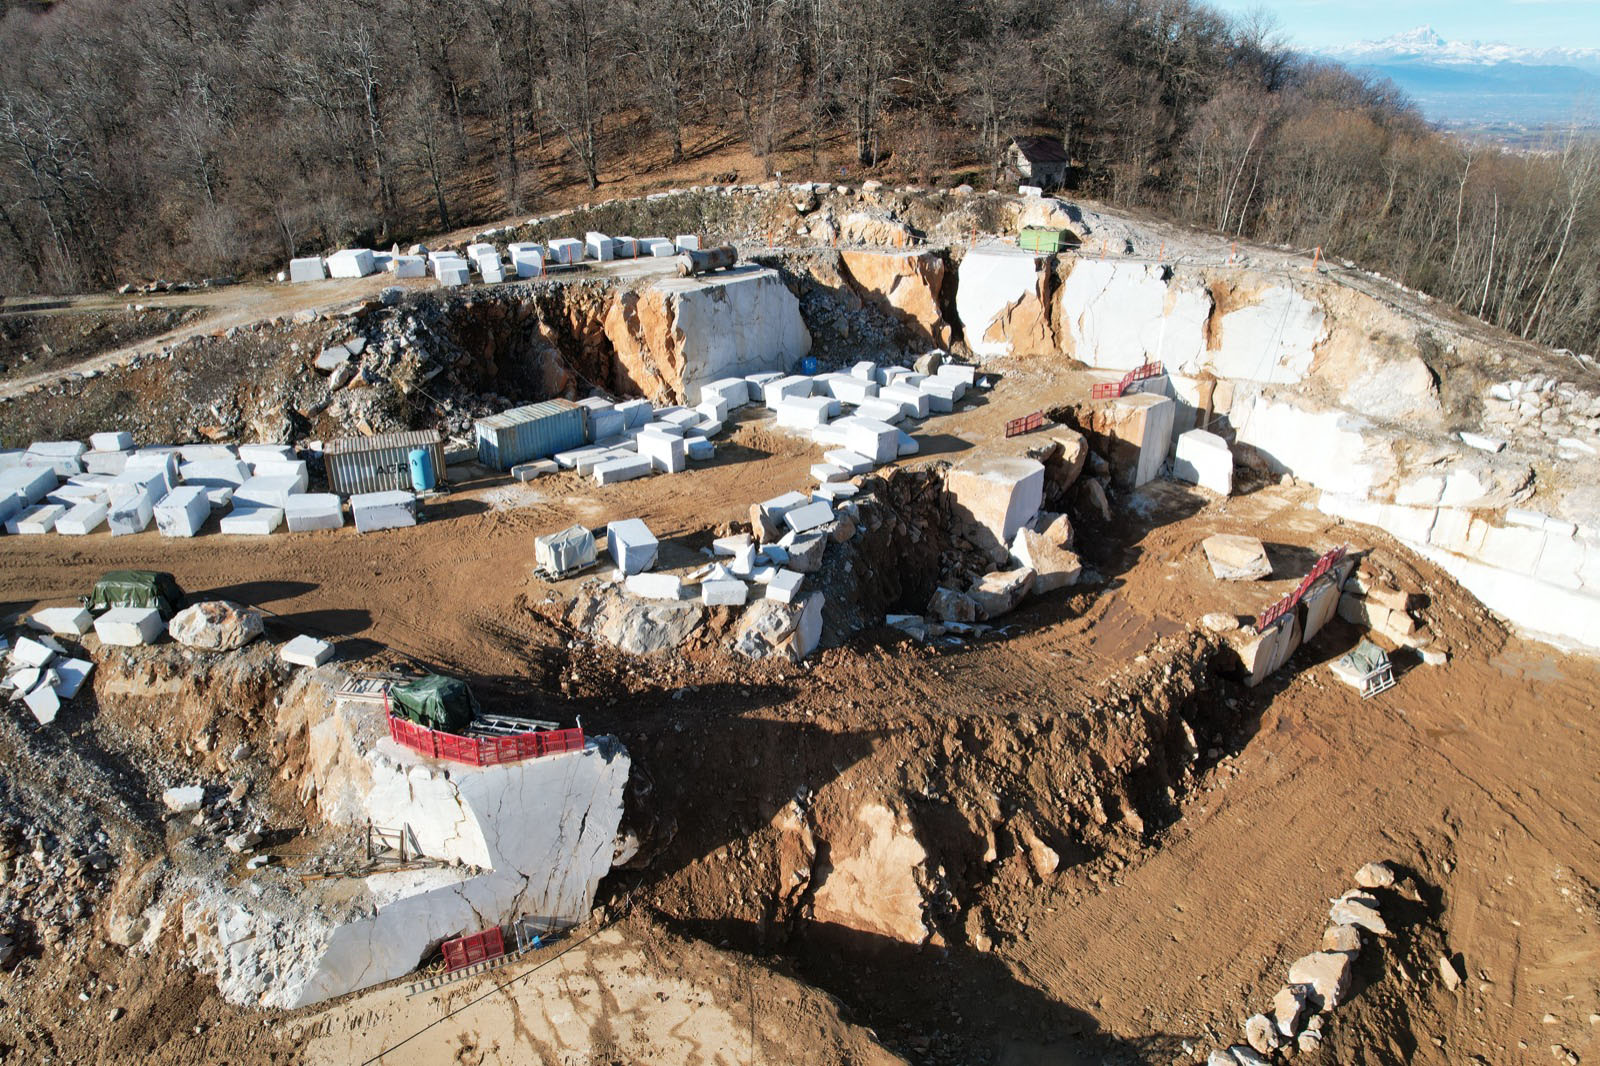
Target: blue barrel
column 808, row 365
column 422, row 473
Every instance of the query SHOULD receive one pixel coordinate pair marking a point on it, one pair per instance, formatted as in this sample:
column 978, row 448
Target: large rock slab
column 1135, row 433
column 681, row 333
column 1203, row 459
column 993, row 497
column 1236, row 557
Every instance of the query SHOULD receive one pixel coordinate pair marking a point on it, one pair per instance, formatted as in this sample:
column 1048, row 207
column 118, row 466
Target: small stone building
column 1040, row 161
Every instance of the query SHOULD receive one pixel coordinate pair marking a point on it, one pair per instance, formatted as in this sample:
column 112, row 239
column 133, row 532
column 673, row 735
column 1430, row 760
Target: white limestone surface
column 990, row 281
column 533, row 837
column 1272, row 339
column 1119, row 315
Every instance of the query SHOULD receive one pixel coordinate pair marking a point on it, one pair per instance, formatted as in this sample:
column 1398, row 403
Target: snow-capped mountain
column 1425, row 44
column 1477, row 82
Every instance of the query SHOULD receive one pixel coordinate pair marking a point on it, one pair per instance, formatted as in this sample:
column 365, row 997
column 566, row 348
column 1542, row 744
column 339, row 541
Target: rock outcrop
column 680, row 333
column 908, row 285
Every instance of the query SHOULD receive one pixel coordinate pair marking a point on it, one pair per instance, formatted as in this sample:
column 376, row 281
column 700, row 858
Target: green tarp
column 137, row 588
column 1366, row 658
column 442, row 703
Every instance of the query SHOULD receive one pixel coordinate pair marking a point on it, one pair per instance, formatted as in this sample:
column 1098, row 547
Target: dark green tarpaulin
column 137, row 588
column 442, row 703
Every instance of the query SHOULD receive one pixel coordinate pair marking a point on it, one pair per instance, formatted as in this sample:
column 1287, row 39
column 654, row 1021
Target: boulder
column 1236, row 557
column 948, row 605
column 1341, row 938
column 183, row 800
column 646, row 627
column 1360, row 910
column 770, row 628
column 216, row 625
column 1287, row 1007
column 1261, row 1034
column 1324, row 976
column 1054, row 567
column 999, row 592
column 1375, row 875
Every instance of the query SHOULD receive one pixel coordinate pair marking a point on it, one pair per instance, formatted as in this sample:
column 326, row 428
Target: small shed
column 1041, row 161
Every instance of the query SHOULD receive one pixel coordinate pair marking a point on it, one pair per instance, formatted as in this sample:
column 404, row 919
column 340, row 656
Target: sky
column 1311, row 24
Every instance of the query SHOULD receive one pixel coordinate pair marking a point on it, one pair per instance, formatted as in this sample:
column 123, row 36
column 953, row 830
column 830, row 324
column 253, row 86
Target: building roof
column 1041, row 149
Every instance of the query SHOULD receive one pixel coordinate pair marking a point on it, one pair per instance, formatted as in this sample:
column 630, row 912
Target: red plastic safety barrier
column 467, row 950
column 483, row 751
column 1027, row 424
column 1112, row 389
column 1287, row 604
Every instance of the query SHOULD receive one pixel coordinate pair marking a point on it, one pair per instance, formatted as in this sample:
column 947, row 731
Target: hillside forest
column 188, row 138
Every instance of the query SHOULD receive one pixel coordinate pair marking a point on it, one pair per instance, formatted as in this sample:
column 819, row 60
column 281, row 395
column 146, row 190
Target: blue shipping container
column 536, row 431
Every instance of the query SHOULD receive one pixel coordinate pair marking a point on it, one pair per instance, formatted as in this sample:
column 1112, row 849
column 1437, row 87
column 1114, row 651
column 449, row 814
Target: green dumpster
column 1044, row 240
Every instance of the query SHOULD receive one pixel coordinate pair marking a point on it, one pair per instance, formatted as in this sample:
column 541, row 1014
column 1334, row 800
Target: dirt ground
column 1476, row 778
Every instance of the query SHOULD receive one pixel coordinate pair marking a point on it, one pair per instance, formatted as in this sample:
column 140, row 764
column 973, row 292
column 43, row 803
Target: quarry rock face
column 681, row 333
column 1272, row 339
column 525, row 838
column 908, row 284
column 1120, row 315
column 874, row 884
column 1002, row 299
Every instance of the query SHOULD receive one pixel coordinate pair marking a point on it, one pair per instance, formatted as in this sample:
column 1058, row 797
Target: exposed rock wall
column 1003, row 301
column 909, row 284
column 526, row 838
column 680, row 333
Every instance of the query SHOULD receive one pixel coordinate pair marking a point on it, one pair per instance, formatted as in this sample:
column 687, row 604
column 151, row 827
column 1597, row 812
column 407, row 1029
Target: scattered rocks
column 1320, row 981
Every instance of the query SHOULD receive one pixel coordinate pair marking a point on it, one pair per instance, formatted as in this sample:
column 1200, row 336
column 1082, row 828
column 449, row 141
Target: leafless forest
column 185, row 138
